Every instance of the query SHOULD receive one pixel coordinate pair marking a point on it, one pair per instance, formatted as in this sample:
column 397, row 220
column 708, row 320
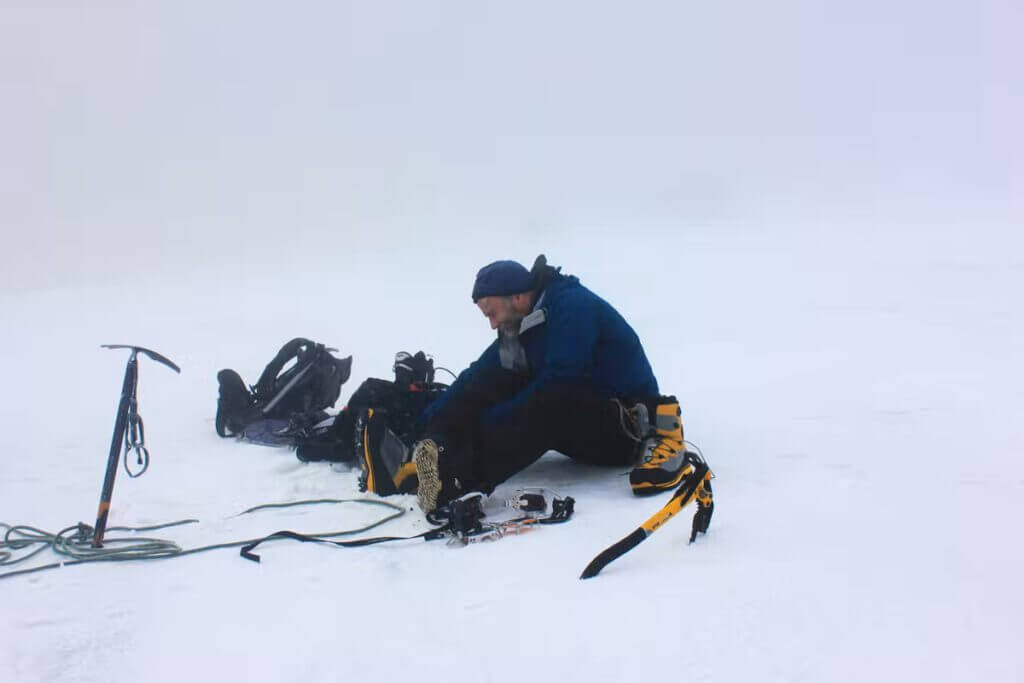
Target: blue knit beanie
column 501, row 278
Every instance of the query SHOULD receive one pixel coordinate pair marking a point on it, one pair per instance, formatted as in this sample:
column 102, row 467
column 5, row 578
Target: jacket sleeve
column 572, row 335
column 487, row 359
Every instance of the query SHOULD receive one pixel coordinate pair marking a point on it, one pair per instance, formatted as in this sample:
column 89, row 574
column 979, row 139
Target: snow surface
column 818, row 243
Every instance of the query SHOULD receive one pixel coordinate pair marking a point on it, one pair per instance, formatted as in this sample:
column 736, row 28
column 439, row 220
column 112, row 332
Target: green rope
column 75, row 542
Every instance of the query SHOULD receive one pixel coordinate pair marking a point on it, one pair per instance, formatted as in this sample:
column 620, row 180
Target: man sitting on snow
column 566, row 373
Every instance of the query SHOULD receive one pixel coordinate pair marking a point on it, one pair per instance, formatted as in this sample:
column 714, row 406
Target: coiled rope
column 75, row 542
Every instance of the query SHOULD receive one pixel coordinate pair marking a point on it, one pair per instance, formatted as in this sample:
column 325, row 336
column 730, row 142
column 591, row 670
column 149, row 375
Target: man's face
column 501, row 311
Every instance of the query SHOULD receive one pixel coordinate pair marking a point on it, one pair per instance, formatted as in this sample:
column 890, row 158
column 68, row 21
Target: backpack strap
column 296, row 348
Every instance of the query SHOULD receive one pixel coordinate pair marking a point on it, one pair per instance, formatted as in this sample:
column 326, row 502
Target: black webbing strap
column 247, row 553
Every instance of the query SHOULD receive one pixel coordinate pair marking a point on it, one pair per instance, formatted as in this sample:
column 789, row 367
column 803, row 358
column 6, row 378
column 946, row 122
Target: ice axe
column 134, row 440
column 695, row 485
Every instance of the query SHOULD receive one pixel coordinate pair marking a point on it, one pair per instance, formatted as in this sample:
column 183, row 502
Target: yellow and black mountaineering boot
column 436, row 484
column 663, row 461
column 385, row 462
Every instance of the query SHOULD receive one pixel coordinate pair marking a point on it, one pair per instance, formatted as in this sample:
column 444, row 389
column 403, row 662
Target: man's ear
column 522, row 301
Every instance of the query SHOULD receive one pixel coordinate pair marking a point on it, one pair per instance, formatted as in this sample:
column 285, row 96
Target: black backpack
column 399, row 403
column 304, row 389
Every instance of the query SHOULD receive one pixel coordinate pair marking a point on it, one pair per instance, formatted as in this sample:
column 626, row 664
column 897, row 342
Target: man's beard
column 510, row 351
column 510, row 329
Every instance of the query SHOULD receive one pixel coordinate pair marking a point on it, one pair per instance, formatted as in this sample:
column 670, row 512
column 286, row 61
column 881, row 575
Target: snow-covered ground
column 830, row 283
column 860, row 404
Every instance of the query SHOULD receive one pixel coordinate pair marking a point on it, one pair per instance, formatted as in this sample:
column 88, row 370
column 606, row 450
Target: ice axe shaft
column 128, row 392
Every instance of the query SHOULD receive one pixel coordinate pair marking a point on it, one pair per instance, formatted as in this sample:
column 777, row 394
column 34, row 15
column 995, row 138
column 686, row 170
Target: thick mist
column 169, row 137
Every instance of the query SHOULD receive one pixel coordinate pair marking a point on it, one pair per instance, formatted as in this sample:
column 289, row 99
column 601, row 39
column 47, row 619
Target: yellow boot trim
column 664, row 486
column 404, row 472
column 371, row 477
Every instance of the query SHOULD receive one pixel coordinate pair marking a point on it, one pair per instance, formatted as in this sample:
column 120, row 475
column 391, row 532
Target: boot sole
column 429, row 477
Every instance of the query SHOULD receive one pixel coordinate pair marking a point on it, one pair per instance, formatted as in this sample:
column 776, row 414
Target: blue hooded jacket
column 581, row 340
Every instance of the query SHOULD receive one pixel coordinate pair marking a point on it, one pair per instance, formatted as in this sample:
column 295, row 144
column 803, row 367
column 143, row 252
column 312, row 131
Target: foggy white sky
column 183, row 133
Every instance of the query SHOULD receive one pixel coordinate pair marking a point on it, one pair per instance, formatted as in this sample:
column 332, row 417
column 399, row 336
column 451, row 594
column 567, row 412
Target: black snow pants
column 482, row 450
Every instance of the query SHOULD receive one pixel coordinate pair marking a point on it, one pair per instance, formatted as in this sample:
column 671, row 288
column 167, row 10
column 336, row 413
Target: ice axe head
column 152, row 354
